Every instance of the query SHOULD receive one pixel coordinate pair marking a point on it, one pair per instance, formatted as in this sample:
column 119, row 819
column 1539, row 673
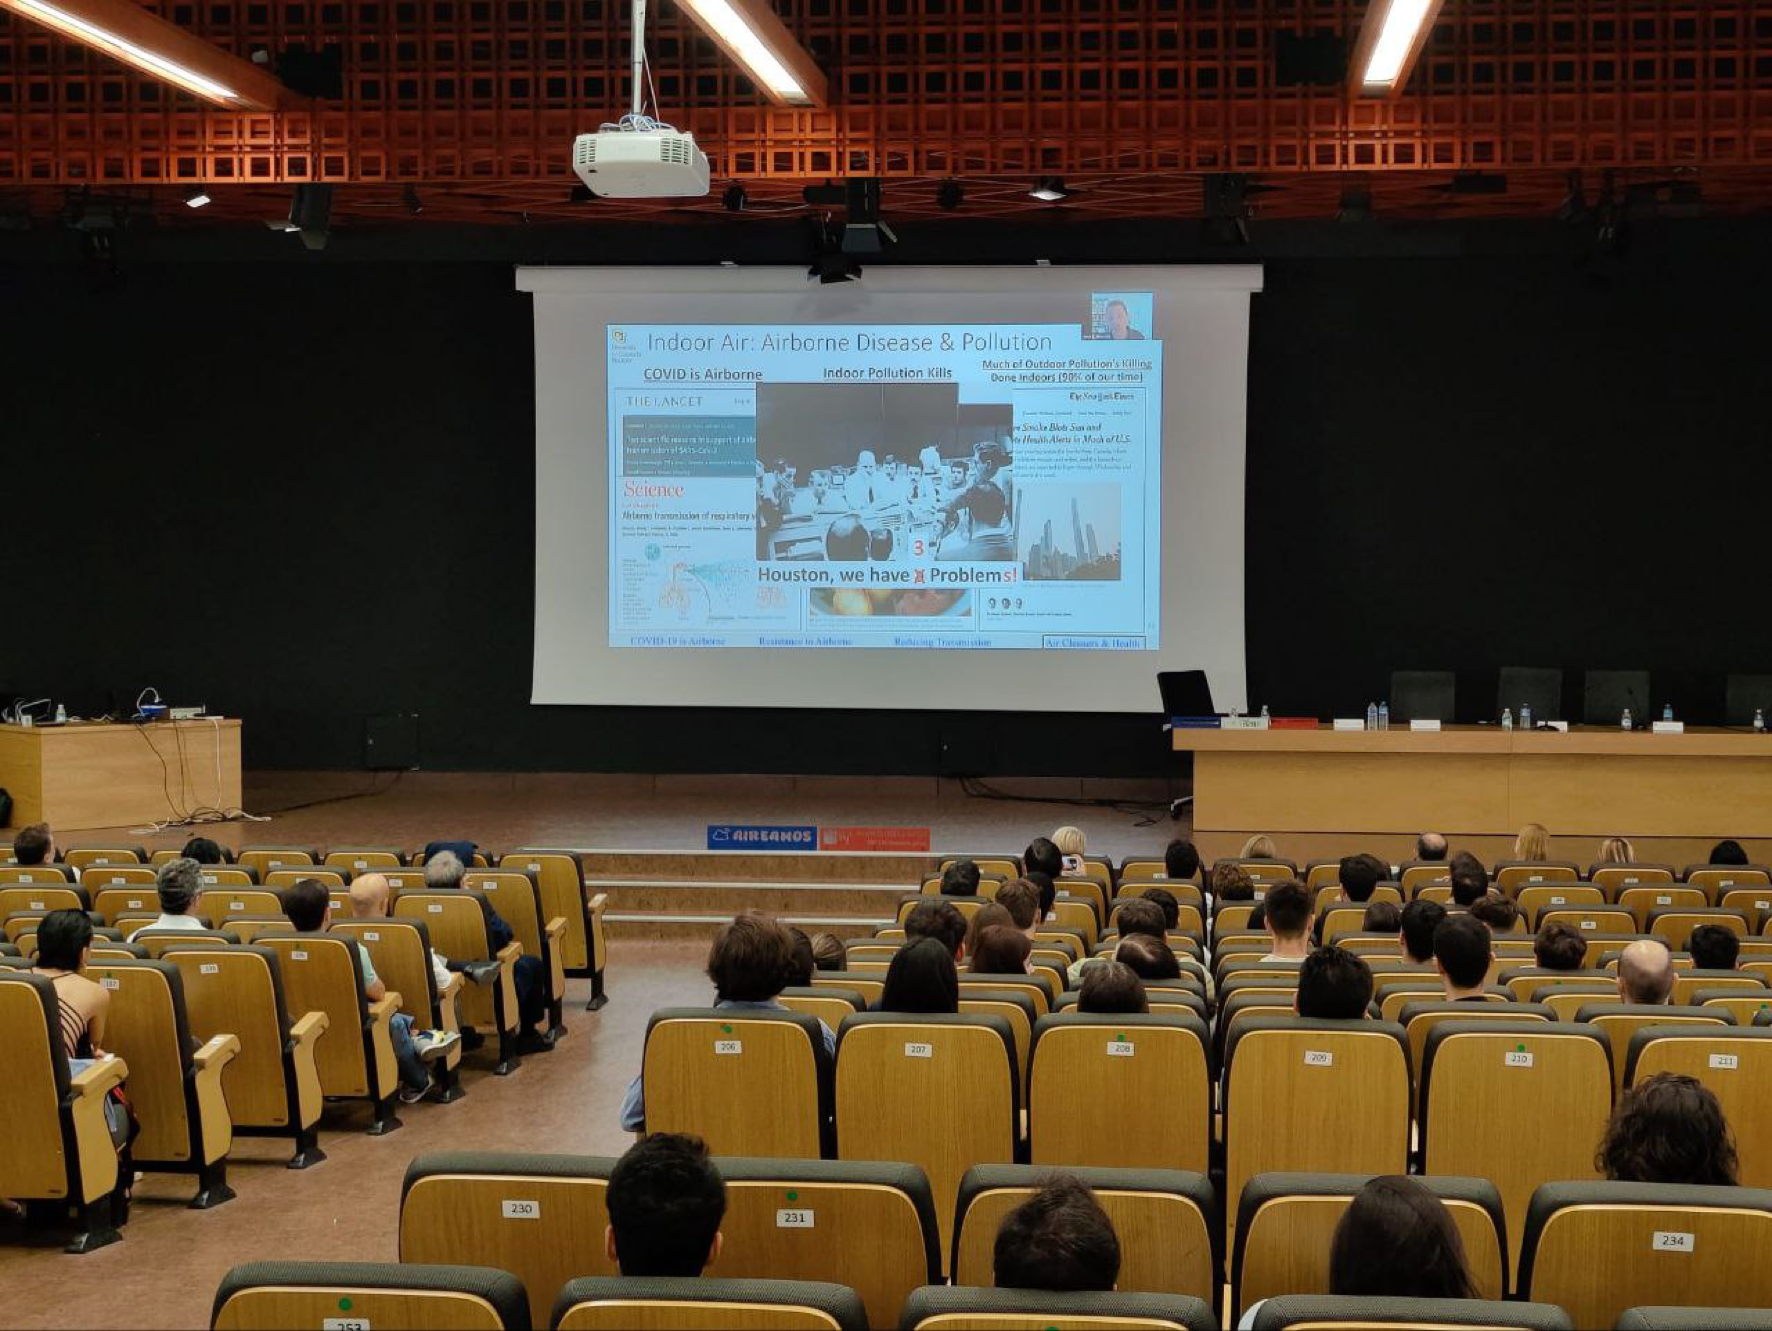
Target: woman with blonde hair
column 1073, row 846
column 1533, row 843
column 1616, row 850
column 1259, row 847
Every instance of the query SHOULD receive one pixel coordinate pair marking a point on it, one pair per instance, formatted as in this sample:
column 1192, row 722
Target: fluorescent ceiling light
column 126, row 51
column 1403, row 22
column 758, row 41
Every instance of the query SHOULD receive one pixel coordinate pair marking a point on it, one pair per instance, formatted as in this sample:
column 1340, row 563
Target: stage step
column 691, row 927
column 749, row 867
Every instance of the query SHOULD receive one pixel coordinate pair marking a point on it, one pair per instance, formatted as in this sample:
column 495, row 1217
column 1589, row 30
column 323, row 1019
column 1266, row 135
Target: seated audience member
column 1724, row 852
column 1416, row 930
column 1164, row 900
column 1333, row 983
column 1042, row 856
column 828, row 952
column 309, row 908
column 940, row 920
column 804, row 966
column 1148, row 958
column 444, row 871
column 1498, row 912
column 1430, row 848
column 1181, row 861
column 1257, row 917
column 1231, row 882
column 204, row 851
column 1140, row 915
column 1112, row 988
column 369, row 901
column 33, row 845
column 1668, row 1129
column 1021, row 899
column 1397, row 1240
column 1463, row 953
column 960, row 879
column 1072, row 847
column 64, row 947
column 1287, row 919
column 985, row 917
column 1713, row 948
column 749, row 964
column 1646, row 972
column 921, row 978
column 1359, row 875
column 1046, row 886
column 1616, row 850
column 1382, row 917
column 1470, row 880
column 1533, row 843
column 1259, row 847
column 178, row 883
column 1002, row 950
column 666, row 1201
column 1559, row 947
column 1058, row 1239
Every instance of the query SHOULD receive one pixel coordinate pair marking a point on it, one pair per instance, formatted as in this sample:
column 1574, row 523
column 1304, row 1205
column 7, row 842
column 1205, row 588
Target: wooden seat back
column 1736, row 1064
column 746, row 1082
column 560, row 877
column 354, row 1057
column 217, row 905
column 264, row 860
column 457, row 920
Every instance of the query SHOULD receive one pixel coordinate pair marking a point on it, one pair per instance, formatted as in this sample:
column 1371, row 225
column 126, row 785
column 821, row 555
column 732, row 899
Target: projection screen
column 966, row 488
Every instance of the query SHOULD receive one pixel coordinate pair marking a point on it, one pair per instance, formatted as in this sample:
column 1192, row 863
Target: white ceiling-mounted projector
column 638, row 157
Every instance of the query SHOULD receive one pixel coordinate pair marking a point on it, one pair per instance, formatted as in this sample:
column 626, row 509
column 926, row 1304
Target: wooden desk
column 1482, row 780
column 83, row 776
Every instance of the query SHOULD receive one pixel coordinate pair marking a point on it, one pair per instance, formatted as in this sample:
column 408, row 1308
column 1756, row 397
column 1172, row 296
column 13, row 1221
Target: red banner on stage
column 906, row 840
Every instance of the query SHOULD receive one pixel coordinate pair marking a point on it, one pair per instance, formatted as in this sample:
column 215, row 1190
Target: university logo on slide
column 741, row 836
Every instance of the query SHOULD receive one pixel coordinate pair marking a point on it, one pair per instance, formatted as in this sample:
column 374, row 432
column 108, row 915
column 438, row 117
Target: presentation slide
column 952, row 489
column 987, row 486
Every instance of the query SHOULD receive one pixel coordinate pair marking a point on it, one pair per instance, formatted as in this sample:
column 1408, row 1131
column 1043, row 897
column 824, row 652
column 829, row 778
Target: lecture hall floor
column 164, row 1272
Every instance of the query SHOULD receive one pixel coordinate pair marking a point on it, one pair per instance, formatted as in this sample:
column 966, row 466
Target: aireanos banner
column 988, row 486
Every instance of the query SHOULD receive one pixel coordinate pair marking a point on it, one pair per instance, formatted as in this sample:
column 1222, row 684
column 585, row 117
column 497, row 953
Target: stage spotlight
column 1050, row 190
column 196, row 197
column 734, row 199
column 949, row 195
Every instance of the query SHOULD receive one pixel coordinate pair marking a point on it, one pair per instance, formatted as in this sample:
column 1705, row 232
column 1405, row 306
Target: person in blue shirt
column 750, row 963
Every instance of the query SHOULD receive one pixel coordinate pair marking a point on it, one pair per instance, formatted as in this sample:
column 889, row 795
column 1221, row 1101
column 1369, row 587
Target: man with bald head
column 369, row 901
column 1646, row 973
column 1430, row 846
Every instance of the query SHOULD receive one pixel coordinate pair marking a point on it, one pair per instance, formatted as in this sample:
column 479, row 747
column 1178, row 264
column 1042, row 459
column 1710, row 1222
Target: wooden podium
column 81, row 776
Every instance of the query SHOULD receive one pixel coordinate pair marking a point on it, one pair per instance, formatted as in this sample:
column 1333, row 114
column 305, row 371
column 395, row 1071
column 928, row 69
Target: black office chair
column 1743, row 696
column 1536, row 686
column 1606, row 693
column 1423, row 695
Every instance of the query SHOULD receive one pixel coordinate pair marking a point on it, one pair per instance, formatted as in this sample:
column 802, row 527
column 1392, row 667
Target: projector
column 641, row 164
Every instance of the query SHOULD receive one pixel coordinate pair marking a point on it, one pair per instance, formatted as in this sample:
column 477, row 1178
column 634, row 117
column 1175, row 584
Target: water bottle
column 1372, row 716
column 1266, row 717
column 1624, row 722
column 1507, row 718
column 61, row 714
column 1759, row 721
column 1667, row 711
column 1525, row 716
column 1384, row 716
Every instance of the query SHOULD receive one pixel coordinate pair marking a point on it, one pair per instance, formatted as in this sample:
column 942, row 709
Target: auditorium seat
column 330, row 879
column 57, row 1148
column 827, row 1004
column 1643, row 901
column 975, row 1308
column 105, row 949
column 560, row 876
column 967, row 906
column 175, row 1086
column 272, row 1085
column 250, row 928
column 516, row 896
column 1167, row 1222
column 1239, row 1007
column 666, row 1303
column 1534, row 900
column 216, row 905
column 1413, row 875
column 1717, row 879
column 868, row 984
column 1346, row 1088
column 1591, row 919
column 870, row 950
column 989, row 866
column 1736, row 1064
column 1331, row 1312
column 159, row 942
column 1615, row 878
column 1527, row 983
column 109, row 901
column 1397, row 997
column 936, row 1090
column 1420, row 1017
column 459, row 921
column 1017, row 1009
column 1089, row 1077
column 1188, row 919
column 35, row 875
column 400, row 951
column 1164, row 1001
column 1184, row 892
column 266, row 859
column 1601, row 943
column 1286, row 1227
column 268, row 1296
column 42, row 899
column 1078, row 914
column 1673, row 925
column 746, row 1082
column 355, row 1054
column 1618, row 1021
column 1039, row 988
column 1687, row 982
column 1511, row 875
column 1567, row 999
column 89, row 857
column 1742, row 1005
column 1599, row 1248
column 1658, row 1318
column 364, row 859
column 1515, row 1103
column 1230, row 917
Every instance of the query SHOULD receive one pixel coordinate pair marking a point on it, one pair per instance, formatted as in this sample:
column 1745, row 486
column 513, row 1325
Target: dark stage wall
column 300, row 488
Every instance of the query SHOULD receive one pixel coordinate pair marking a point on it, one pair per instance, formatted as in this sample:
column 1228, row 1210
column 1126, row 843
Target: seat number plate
column 1120, row 1048
column 918, row 1049
column 794, row 1219
column 1319, row 1058
column 1668, row 1240
column 1517, row 1058
column 729, row 1046
column 1726, row 1061
column 520, row 1210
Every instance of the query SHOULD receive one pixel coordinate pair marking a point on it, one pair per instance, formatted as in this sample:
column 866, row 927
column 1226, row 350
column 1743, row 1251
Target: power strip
column 188, row 713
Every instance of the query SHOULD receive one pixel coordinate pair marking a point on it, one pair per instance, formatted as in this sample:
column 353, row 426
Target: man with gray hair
column 178, row 883
column 444, row 872
column 1646, row 973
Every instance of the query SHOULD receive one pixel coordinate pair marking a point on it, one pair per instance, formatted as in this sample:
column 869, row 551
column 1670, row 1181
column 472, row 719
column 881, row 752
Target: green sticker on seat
column 727, row 1029
column 344, row 1305
column 793, row 1194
